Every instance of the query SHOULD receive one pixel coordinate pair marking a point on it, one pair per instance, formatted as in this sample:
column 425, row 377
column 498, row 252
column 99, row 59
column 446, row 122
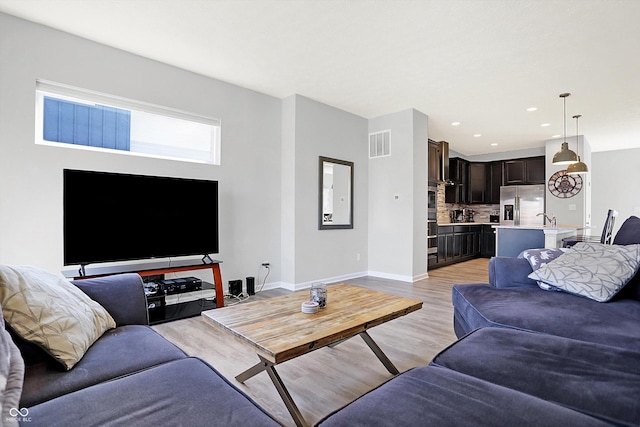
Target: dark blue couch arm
column 507, row 272
column 122, row 295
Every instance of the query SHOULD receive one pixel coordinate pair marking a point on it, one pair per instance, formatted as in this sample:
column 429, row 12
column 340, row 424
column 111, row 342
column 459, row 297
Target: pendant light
column 564, row 156
column 577, row 167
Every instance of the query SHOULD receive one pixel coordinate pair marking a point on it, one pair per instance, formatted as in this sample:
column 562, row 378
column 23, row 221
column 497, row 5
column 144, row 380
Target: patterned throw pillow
column 592, row 270
column 51, row 312
column 539, row 257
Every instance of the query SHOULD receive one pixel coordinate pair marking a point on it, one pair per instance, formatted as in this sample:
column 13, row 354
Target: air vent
column 379, row 144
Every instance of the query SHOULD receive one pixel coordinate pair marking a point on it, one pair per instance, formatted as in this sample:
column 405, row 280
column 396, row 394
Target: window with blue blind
column 93, row 126
column 71, row 117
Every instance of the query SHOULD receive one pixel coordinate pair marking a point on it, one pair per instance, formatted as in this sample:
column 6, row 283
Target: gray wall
column 397, row 198
column 615, row 178
column 312, row 129
column 31, row 175
column 574, row 210
column 269, row 160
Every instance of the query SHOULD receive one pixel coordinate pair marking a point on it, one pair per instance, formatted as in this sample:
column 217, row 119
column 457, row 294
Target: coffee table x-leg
column 266, row 365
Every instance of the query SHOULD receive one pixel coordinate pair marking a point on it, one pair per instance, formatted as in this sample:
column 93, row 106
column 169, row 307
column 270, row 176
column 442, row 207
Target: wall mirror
column 335, row 194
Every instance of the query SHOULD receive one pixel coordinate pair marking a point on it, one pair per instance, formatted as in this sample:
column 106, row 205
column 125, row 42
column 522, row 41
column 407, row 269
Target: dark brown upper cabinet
column 524, row 171
column 433, row 162
column 495, row 180
column 459, row 174
column 477, row 182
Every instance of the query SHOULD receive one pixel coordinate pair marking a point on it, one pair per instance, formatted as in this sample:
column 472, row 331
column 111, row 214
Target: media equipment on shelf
column 235, row 287
column 118, row 217
column 180, row 285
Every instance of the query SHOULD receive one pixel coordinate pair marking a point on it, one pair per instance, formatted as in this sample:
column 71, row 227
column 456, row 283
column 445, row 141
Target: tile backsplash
column 482, row 211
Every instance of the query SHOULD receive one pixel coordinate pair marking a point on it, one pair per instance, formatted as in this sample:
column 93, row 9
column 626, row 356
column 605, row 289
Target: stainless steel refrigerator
column 520, row 204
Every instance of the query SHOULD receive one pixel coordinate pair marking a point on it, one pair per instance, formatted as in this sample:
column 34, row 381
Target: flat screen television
column 117, row 217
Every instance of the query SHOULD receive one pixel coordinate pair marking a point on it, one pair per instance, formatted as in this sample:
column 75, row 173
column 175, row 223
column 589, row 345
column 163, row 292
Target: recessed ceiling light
column 545, row 125
column 477, row 135
column 493, row 144
column 455, row 123
column 532, row 108
column 556, row 136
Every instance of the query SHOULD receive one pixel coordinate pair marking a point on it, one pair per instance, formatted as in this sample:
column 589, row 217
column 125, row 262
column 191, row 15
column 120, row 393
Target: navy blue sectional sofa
column 131, row 376
column 525, row 356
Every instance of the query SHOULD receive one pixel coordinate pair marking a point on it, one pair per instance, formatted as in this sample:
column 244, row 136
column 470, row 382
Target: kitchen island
column 513, row 239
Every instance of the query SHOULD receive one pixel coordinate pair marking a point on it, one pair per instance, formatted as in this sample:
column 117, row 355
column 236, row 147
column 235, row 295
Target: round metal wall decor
column 564, row 186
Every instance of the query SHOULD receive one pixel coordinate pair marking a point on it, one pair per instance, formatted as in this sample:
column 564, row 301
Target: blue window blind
column 94, row 126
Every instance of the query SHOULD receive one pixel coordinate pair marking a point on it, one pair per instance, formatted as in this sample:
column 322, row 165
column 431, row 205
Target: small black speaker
column 251, row 285
column 235, row 287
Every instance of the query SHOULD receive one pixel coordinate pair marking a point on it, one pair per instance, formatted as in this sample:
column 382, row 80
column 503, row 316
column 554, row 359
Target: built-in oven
column 432, row 203
column 432, row 237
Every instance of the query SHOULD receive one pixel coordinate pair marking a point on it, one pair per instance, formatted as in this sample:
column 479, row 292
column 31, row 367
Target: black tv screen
column 118, row 217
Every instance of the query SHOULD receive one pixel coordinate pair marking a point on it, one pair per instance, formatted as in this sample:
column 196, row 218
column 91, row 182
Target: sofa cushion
column 434, row 396
column 556, row 313
column 51, row 312
column 629, row 232
column 593, row 270
column 120, row 351
column 598, row 380
column 186, row 392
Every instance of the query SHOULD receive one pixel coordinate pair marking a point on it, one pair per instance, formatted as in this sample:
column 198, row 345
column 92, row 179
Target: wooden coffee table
column 278, row 331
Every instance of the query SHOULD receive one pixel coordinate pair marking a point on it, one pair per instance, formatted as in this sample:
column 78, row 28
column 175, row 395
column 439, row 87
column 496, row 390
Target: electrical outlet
column 266, row 264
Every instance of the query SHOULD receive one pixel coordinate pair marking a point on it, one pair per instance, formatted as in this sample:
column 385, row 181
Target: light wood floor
column 329, row 378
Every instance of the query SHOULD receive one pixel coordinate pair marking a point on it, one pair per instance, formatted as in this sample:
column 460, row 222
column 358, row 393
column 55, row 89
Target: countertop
column 467, row 223
column 560, row 230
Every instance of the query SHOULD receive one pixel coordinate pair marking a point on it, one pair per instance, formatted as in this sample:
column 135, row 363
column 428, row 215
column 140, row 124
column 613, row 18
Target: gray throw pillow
column 50, row 312
column 592, row 270
column 11, row 379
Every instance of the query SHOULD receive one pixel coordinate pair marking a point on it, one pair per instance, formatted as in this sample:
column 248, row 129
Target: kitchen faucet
column 552, row 220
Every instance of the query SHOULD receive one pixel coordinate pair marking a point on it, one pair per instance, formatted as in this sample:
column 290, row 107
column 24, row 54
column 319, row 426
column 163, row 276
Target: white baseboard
column 307, row 285
column 398, row 277
column 336, row 279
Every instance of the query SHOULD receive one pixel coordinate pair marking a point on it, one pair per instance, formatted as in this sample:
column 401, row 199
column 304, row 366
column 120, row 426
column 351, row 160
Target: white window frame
column 74, row 94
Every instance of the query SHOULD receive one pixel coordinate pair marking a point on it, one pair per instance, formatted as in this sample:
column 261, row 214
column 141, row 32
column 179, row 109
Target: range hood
column 443, row 149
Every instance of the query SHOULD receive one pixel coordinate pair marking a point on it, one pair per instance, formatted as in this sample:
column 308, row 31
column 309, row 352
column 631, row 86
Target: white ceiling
column 478, row 62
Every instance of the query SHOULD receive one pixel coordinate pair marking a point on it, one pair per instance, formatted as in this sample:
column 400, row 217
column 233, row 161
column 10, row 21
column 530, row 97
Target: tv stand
column 164, row 267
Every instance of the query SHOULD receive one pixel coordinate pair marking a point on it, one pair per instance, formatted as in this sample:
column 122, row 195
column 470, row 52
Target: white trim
column 398, row 277
column 78, row 94
column 85, row 96
column 329, row 280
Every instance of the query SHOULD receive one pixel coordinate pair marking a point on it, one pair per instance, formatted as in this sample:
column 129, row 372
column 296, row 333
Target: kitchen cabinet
column 488, row 239
column 480, row 182
column 477, row 183
column 534, row 170
column 494, row 182
column 445, row 245
column 433, row 159
column 457, row 243
column 459, row 174
column 524, row 171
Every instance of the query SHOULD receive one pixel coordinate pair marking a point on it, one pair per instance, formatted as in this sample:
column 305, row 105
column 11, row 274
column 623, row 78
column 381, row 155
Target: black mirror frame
column 321, row 225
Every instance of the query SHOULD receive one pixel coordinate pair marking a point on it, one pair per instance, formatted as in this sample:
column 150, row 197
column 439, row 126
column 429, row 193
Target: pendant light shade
column 564, row 156
column 577, row 167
